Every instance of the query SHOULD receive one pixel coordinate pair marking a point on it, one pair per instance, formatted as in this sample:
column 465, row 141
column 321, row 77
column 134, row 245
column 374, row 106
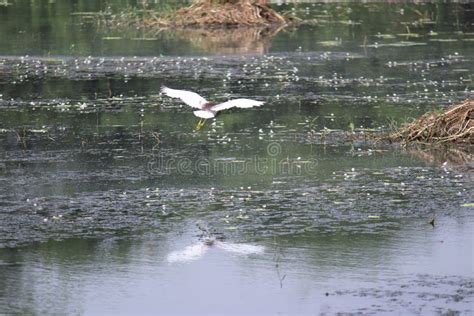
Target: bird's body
column 207, row 110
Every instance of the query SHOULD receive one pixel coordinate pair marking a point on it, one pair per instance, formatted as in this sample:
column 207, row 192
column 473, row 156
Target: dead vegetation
column 455, row 125
column 223, row 26
column 205, row 13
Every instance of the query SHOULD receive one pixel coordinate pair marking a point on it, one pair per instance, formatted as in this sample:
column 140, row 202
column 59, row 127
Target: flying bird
column 207, row 109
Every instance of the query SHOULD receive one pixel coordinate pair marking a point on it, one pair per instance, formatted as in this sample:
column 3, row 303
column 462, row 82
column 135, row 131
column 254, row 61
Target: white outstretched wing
column 190, row 98
column 238, row 103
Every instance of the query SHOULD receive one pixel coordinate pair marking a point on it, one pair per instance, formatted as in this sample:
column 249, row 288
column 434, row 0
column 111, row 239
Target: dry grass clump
column 207, row 14
column 455, row 125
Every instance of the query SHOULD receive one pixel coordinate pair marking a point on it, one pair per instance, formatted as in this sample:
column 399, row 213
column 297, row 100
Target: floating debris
column 385, row 36
column 455, row 125
column 144, row 39
column 373, row 216
column 203, row 14
column 334, row 43
column 396, row 44
column 40, row 131
column 111, row 38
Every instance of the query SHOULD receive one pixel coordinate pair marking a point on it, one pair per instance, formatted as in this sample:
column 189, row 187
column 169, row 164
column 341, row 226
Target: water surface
column 103, row 180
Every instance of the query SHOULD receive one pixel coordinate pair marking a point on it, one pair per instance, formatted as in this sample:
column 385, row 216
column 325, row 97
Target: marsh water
column 111, row 202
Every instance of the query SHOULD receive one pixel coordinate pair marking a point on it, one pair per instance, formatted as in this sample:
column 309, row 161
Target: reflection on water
column 249, row 40
column 451, row 157
column 196, row 251
column 102, row 181
column 333, row 273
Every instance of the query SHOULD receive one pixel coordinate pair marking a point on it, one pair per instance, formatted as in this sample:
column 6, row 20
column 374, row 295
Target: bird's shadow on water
column 198, row 250
column 208, row 240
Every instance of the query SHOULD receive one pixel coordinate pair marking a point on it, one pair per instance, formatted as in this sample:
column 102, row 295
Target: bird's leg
column 199, row 124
